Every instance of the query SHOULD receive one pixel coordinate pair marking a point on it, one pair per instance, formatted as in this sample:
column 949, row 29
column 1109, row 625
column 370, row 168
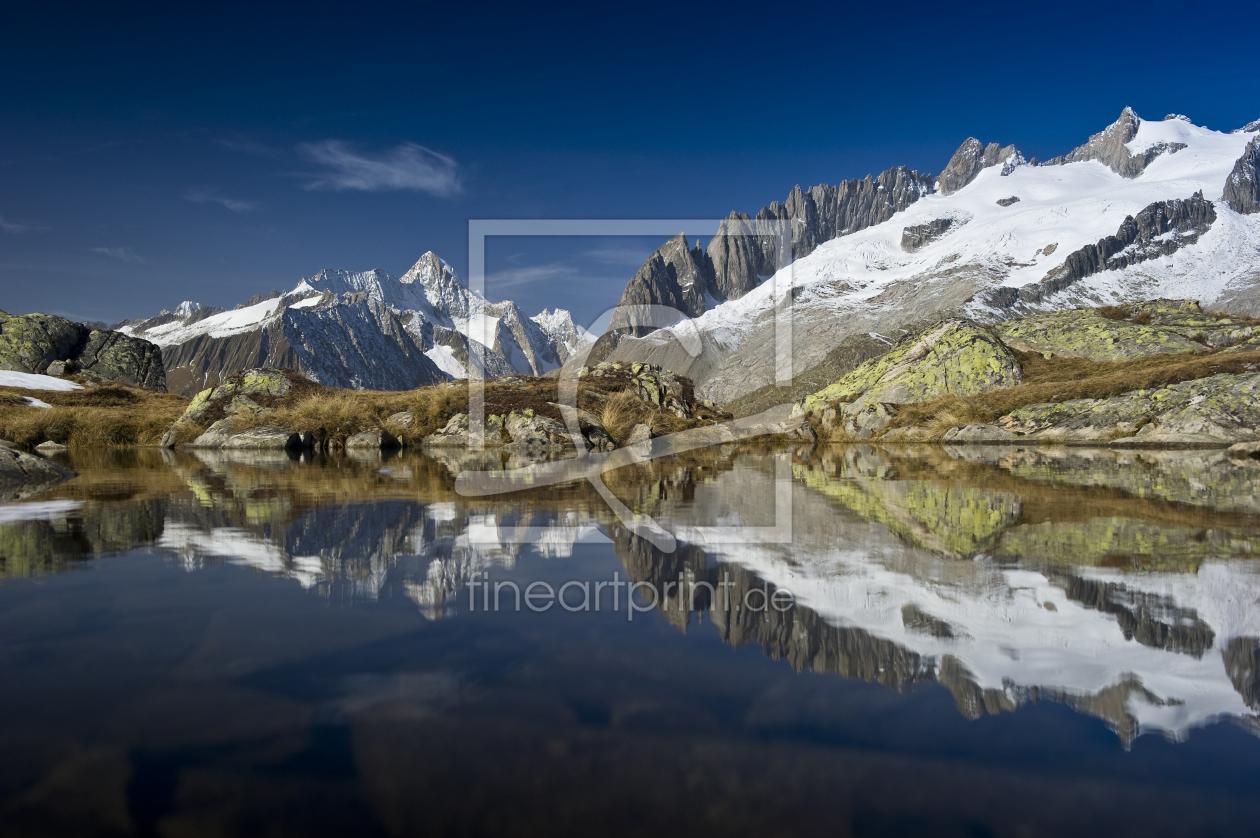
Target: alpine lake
column 741, row 639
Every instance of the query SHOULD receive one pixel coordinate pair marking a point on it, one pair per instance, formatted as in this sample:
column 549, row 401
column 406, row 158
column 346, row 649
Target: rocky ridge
column 366, row 330
column 46, row 344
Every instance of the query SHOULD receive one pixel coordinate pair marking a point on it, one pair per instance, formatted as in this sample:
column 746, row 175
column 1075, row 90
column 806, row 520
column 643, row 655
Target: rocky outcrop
column 35, row 342
column 1110, row 147
column 918, row 236
column 673, row 277
column 954, row 357
column 1160, row 229
column 1242, row 187
column 744, row 250
column 971, row 158
column 1085, row 333
column 1216, row 411
column 23, row 475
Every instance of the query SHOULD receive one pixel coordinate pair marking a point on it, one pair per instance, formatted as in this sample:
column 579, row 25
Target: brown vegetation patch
column 101, row 416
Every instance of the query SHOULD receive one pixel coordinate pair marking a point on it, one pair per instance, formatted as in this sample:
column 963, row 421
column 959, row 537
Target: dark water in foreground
column 1020, row 642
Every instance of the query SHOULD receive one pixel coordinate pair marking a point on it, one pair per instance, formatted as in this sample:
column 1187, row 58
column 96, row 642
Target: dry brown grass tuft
column 621, row 412
column 100, row 417
column 343, row 413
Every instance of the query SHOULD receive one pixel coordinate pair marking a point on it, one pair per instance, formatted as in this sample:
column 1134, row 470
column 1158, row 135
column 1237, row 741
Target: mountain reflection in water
column 1124, row 586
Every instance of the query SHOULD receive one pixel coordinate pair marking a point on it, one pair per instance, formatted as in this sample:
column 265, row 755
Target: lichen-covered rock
column 34, row 342
column 122, row 358
column 240, row 393
column 266, row 438
column 455, row 432
column 954, row 357
column 529, row 430
column 979, row 434
column 639, row 433
column 214, row 436
column 50, row 447
column 378, row 440
column 1218, row 410
column 1084, row 333
column 263, row 382
column 402, row 419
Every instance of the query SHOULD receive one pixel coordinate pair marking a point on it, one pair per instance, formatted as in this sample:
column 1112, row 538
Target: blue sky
column 155, row 153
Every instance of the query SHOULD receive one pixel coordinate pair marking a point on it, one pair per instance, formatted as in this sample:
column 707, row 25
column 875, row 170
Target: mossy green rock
column 1218, row 410
column 265, row 382
column 33, row 342
column 955, row 357
column 1087, row 334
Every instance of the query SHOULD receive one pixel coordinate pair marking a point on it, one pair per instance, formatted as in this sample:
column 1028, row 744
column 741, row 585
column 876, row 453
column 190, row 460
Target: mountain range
column 368, row 330
column 1142, row 209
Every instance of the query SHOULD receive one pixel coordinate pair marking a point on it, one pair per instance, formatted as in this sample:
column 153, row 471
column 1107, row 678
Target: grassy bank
column 107, row 416
column 115, row 415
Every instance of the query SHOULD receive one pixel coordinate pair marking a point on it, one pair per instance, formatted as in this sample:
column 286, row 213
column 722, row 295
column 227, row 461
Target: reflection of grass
column 98, row 416
column 1064, row 379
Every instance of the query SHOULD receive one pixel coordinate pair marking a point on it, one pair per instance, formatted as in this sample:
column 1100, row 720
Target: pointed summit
column 431, row 272
column 1110, row 147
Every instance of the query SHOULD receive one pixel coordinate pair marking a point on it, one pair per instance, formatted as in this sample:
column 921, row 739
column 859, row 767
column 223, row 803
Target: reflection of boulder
column 54, row 543
column 952, row 520
column 1115, row 541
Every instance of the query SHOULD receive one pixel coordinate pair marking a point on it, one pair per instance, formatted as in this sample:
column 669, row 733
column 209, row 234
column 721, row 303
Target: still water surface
column 976, row 642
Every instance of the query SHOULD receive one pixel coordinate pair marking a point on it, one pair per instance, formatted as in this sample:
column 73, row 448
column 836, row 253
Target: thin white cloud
column 408, row 166
column 122, row 254
column 19, row 228
column 497, row 281
column 620, row 255
column 209, row 197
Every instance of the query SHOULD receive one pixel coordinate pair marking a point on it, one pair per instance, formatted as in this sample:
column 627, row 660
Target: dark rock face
column 1139, row 238
column 916, row 237
column 1108, row 147
column 967, row 162
column 971, row 158
column 1242, row 187
column 744, row 250
column 1006, row 202
column 362, row 345
column 673, row 277
column 34, row 342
